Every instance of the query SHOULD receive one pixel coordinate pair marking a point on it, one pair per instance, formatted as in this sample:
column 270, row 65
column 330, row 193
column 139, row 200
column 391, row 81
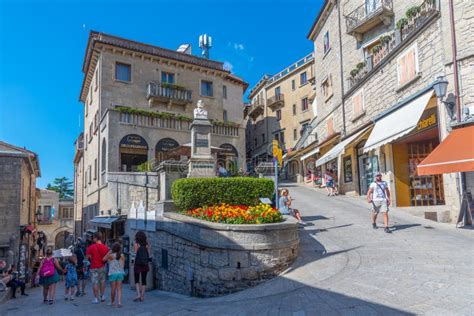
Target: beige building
column 138, row 107
column 281, row 108
column 19, row 169
column 377, row 109
column 55, row 219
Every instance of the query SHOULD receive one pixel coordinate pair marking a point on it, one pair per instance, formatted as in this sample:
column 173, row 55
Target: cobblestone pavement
column 344, row 268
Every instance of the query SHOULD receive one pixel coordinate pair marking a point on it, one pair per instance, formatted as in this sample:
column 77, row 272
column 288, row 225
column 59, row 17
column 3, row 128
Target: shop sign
column 427, row 120
column 133, row 141
column 229, row 148
column 166, row 144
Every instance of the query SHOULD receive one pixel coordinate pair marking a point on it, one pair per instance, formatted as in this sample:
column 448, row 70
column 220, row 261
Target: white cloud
column 228, row 66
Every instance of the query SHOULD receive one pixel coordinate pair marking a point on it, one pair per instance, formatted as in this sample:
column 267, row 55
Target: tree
column 63, row 186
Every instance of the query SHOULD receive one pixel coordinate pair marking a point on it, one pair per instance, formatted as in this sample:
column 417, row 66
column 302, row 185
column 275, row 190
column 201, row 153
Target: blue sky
column 42, row 45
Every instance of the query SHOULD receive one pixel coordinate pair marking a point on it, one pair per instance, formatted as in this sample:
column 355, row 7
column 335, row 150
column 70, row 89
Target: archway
column 61, row 239
column 133, row 152
column 162, row 147
column 228, row 156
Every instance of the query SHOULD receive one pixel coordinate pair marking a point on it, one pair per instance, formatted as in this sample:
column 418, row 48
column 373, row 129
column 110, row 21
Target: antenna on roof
column 205, row 43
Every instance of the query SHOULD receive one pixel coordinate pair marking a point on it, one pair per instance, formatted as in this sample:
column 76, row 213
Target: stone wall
column 204, row 259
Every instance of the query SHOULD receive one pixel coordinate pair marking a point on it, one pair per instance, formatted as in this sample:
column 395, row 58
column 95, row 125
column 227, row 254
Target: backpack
column 47, row 269
column 142, row 257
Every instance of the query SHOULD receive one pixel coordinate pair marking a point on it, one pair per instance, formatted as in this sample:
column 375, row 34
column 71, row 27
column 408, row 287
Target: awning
column 106, row 221
column 338, row 149
column 312, row 152
column 398, row 123
column 454, row 154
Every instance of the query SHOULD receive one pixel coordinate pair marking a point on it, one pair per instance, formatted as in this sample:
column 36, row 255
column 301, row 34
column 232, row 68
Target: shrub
column 191, row 193
column 360, row 65
column 402, row 23
column 354, row 72
column 237, row 214
column 413, row 11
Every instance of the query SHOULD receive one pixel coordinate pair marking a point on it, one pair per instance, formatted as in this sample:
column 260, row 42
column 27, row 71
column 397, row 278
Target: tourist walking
column 95, row 254
column 140, row 268
column 379, row 196
column 71, row 278
column 116, row 262
column 82, row 268
column 284, row 204
column 329, row 180
column 49, row 276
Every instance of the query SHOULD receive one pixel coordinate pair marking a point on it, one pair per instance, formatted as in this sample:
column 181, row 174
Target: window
column 327, row 87
column 123, row 72
column 277, row 91
column 47, row 216
column 104, row 155
column 85, row 146
column 326, row 42
column 294, row 109
column 167, row 77
column 276, row 137
column 278, row 115
column 407, row 65
column 90, row 132
column 263, row 138
column 224, row 92
column 95, row 168
column 358, row 104
column 295, row 134
column 303, row 78
column 304, row 104
column 255, row 143
column 96, row 81
column 206, row 88
column 330, row 126
column 282, row 138
column 304, row 126
column 96, row 121
column 90, row 95
column 89, row 174
column 293, row 84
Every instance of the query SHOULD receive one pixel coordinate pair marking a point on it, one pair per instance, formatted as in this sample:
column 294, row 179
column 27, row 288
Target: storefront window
column 347, row 165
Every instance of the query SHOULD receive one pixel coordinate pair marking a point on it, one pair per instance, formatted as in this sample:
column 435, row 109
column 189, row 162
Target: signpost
column 277, row 160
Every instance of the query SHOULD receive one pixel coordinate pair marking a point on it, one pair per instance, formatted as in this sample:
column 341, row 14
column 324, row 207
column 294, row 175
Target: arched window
column 104, row 156
column 162, row 147
column 133, row 152
column 228, row 157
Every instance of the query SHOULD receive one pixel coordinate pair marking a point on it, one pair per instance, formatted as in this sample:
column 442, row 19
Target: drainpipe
column 341, row 68
column 455, row 61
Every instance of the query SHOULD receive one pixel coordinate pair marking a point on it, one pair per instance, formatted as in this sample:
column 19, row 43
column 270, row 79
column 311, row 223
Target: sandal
column 45, row 301
column 119, row 305
column 50, row 302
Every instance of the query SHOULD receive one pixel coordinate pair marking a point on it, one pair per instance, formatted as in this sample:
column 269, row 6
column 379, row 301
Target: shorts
column 290, row 212
column 71, row 283
column 330, row 184
column 380, row 206
column 116, row 277
column 98, row 275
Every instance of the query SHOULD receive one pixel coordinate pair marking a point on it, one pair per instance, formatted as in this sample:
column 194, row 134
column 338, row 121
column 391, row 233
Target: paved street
column 345, row 267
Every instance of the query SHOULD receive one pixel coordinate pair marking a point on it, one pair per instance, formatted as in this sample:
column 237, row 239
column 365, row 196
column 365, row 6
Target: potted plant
column 399, row 29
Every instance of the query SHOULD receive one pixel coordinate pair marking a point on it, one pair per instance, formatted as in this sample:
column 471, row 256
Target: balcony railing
column 368, row 15
column 276, row 102
column 388, row 45
column 225, row 130
column 153, row 122
column 255, row 110
column 168, row 93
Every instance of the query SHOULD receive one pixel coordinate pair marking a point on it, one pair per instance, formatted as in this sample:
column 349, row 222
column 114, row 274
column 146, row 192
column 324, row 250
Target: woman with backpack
column 49, row 276
column 140, row 268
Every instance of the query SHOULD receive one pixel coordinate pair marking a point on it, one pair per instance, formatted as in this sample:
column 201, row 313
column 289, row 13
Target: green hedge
column 190, row 193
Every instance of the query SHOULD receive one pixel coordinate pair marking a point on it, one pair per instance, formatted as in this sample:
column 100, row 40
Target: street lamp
column 38, row 215
column 440, row 87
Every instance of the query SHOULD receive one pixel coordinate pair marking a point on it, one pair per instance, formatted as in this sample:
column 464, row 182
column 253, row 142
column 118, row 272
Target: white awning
column 312, row 152
column 398, row 123
column 338, row 149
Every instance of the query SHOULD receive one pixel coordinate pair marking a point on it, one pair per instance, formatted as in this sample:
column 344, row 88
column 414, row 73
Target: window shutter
column 410, row 64
column 330, row 126
column 357, row 101
column 402, row 70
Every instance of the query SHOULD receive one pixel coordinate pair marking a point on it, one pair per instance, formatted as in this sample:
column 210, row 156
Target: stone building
column 19, row 169
column 281, row 108
column 56, row 219
column 138, row 104
column 377, row 110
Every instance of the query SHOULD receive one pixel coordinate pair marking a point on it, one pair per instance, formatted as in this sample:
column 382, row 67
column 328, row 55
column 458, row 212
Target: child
column 116, row 273
column 71, row 278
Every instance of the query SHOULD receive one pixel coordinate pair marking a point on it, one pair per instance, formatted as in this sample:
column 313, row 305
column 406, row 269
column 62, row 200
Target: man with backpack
column 95, row 254
column 379, row 195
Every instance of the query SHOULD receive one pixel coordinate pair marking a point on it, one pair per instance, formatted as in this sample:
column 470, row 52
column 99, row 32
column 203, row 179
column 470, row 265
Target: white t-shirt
column 379, row 191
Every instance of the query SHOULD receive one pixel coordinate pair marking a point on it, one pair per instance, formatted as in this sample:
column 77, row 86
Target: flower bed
column 237, row 214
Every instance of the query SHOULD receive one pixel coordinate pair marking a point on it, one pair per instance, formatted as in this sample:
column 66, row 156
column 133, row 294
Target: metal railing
column 365, row 12
column 163, row 90
column 153, row 122
column 276, row 98
column 292, row 67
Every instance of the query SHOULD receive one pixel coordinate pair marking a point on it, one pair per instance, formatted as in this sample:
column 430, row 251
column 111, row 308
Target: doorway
column 367, row 166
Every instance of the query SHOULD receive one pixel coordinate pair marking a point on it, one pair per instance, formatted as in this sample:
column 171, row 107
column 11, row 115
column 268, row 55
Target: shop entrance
column 133, row 152
column 367, row 166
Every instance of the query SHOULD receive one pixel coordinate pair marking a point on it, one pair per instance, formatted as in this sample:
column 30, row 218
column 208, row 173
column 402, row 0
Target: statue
column 199, row 111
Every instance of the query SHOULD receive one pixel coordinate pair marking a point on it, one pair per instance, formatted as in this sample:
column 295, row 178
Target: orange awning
column 454, row 154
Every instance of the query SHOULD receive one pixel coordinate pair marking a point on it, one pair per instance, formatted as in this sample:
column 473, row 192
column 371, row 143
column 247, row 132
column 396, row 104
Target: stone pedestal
column 201, row 164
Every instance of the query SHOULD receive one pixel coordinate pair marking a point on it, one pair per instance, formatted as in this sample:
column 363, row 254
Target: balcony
column 168, row 93
column 276, row 102
column 256, row 110
column 367, row 16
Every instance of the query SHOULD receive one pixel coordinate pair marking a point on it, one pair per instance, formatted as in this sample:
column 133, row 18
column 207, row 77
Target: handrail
column 168, row 91
column 365, row 11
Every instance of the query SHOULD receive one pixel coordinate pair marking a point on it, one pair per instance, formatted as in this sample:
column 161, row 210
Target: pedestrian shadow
column 314, row 218
column 404, row 226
